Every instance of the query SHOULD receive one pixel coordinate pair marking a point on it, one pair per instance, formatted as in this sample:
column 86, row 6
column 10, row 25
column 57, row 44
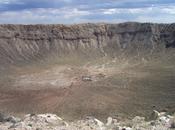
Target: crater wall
column 21, row 43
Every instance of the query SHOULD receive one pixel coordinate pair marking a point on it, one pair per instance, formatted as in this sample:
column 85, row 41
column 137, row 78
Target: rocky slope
column 160, row 121
column 22, row 43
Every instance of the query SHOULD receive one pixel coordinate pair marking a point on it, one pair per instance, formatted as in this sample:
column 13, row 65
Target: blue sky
column 82, row 11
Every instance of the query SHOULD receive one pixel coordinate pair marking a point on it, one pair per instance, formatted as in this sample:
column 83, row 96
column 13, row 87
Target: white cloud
column 68, row 1
column 5, row 1
column 169, row 10
column 157, row 19
column 110, row 11
column 160, row 14
column 122, row 11
column 10, row 1
column 127, row 10
column 42, row 15
column 69, row 13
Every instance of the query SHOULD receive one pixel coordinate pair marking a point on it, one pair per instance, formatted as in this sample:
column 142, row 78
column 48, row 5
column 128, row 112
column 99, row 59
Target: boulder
column 13, row 119
column 98, row 122
column 6, row 118
column 138, row 119
column 109, row 121
column 154, row 115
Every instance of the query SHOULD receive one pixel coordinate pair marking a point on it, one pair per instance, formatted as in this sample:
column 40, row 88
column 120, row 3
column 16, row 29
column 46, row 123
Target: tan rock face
column 30, row 42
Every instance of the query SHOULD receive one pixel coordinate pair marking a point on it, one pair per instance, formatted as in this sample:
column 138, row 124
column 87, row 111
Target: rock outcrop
column 25, row 43
column 53, row 122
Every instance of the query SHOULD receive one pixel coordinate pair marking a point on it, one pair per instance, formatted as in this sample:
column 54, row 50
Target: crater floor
column 103, row 87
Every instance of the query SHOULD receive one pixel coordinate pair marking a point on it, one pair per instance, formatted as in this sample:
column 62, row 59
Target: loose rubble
column 162, row 121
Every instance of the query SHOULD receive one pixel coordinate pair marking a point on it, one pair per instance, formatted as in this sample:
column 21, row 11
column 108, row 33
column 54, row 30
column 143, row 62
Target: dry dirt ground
column 118, row 88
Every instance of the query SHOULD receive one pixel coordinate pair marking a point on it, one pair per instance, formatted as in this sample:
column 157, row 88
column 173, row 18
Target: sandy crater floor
column 116, row 88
